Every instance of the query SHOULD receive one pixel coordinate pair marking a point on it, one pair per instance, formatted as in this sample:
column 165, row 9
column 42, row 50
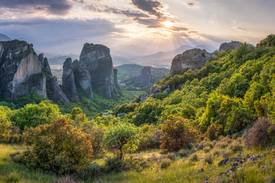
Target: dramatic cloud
column 151, row 6
column 106, row 9
column 191, row 4
column 58, row 7
column 240, row 29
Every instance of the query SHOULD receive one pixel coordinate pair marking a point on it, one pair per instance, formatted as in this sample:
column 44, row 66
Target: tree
column 123, row 137
column 177, row 133
column 33, row 115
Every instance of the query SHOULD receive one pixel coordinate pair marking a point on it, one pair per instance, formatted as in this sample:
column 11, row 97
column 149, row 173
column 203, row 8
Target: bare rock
column 189, row 59
column 232, row 45
column 68, row 80
column 142, row 80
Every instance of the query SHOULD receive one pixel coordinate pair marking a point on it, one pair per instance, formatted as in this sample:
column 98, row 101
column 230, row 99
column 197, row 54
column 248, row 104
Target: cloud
column 151, row 6
column 240, row 29
column 191, row 4
column 107, row 9
column 57, row 7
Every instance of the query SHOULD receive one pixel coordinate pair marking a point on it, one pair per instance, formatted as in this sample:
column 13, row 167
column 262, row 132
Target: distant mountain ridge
column 4, row 37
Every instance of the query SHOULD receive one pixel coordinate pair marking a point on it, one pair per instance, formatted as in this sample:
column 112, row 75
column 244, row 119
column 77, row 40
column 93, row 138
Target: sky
column 62, row 26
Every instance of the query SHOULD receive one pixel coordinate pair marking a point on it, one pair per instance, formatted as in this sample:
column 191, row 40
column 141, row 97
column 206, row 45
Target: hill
column 3, row 37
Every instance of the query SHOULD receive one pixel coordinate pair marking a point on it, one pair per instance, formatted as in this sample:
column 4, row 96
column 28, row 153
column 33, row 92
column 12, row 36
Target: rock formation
column 142, row 80
column 96, row 59
column 3, row 37
column 55, row 93
column 21, row 70
column 83, row 77
column 189, row 59
column 232, row 45
column 68, row 80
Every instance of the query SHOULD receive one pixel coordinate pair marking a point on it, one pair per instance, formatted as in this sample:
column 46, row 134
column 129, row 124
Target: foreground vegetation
column 212, row 114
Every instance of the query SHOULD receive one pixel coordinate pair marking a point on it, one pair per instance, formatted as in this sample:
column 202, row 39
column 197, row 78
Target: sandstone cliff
column 96, row 59
column 232, row 45
column 20, row 70
column 189, row 59
column 142, row 80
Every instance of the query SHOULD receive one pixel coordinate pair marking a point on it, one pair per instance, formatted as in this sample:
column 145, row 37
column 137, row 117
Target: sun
column 168, row 24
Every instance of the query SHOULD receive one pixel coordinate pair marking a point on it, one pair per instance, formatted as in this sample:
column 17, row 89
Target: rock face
column 55, row 93
column 20, row 70
column 96, row 59
column 68, row 80
column 143, row 79
column 189, row 59
column 83, row 77
column 232, row 45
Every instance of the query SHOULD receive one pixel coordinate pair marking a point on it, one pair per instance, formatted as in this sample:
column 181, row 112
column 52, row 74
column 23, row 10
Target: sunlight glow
column 168, row 24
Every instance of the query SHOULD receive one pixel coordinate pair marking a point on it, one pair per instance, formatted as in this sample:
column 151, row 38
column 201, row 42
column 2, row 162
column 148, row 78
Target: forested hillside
column 217, row 127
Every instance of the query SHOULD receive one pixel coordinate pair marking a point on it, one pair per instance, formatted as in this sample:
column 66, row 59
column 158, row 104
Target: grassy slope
column 8, row 167
column 181, row 170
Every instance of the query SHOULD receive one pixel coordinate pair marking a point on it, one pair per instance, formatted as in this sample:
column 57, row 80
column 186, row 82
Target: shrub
column 261, row 133
column 33, row 115
column 193, row 157
column 177, row 133
column 235, row 147
column 165, row 163
column 171, row 156
column 214, row 131
column 123, row 137
column 89, row 171
column 216, row 152
column 138, row 164
column 113, row 165
column 193, row 150
column 207, row 149
column 208, row 159
column 12, row 178
column 155, row 139
column 59, row 147
column 184, row 153
column 66, row 179
column 226, row 153
column 17, row 157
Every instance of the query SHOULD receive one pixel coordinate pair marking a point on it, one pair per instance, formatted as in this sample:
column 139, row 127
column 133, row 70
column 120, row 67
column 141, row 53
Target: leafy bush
column 207, row 149
column 261, row 133
column 177, row 133
column 12, row 178
column 155, row 139
column 165, row 163
column 171, row 156
column 184, row 153
column 89, row 171
column 208, row 159
column 214, row 131
column 33, row 115
column 123, row 138
column 226, row 153
column 59, row 147
column 113, row 165
column 193, row 157
column 236, row 147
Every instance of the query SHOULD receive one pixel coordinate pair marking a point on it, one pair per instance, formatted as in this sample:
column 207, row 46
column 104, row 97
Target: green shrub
column 208, row 159
column 216, row 152
column 207, row 149
column 226, row 153
column 165, row 163
column 235, row 147
column 59, row 147
column 184, row 153
column 193, row 157
column 90, row 171
column 171, row 156
column 12, row 178
column 17, row 157
column 113, row 165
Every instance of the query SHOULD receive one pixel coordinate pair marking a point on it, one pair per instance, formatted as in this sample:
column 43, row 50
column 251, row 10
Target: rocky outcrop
column 189, row 59
column 55, row 93
column 96, row 59
column 154, row 92
column 68, row 80
column 142, row 80
column 83, row 77
column 232, row 45
column 20, row 70
column 115, row 79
